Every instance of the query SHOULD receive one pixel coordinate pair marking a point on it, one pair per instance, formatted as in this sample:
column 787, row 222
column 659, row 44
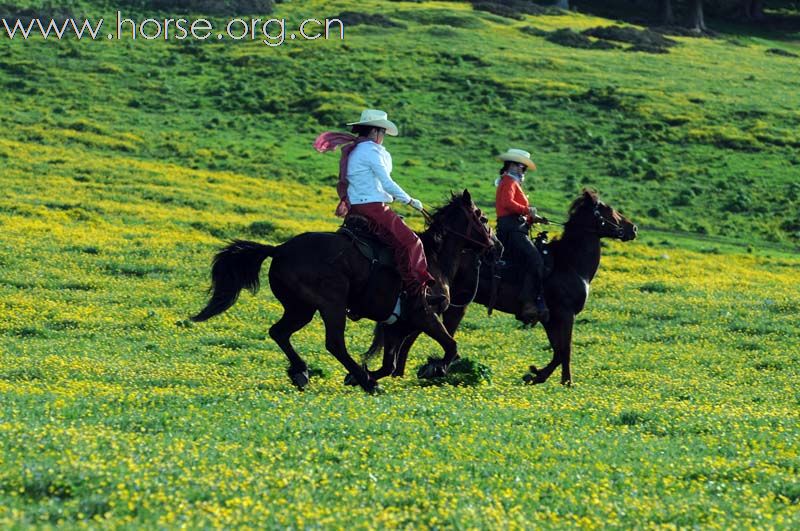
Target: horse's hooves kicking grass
column 377, row 390
column 300, row 379
column 532, row 379
column 463, row 371
column 433, row 369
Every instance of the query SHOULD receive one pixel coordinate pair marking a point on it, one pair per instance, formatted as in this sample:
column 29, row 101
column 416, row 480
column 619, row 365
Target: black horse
column 325, row 272
column 576, row 257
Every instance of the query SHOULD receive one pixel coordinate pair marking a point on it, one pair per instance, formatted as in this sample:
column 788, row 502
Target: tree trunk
column 665, row 11
column 697, row 21
column 756, row 11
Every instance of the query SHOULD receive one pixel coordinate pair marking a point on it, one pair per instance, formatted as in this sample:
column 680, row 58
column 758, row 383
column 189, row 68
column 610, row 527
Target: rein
column 616, row 227
column 474, row 291
column 482, row 244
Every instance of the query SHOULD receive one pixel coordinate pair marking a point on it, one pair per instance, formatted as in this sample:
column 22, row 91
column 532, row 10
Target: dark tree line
column 746, row 9
column 691, row 13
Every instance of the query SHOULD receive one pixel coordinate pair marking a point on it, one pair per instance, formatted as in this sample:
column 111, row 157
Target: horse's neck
column 449, row 256
column 581, row 252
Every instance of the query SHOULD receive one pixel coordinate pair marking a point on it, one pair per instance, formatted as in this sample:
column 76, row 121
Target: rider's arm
column 381, row 166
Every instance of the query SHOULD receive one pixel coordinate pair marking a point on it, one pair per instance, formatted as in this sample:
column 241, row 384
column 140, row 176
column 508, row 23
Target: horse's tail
column 235, row 267
column 378, row 336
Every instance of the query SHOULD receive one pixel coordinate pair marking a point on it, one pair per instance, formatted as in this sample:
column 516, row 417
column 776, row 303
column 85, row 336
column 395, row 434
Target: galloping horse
column 325, row 272
column 576, row 257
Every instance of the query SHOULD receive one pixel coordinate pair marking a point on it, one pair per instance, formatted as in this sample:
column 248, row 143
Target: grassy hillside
column 124, row 165
column 702, row 139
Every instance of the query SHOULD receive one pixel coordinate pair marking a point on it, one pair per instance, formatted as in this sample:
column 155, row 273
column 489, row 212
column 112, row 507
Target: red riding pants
column 408, row 252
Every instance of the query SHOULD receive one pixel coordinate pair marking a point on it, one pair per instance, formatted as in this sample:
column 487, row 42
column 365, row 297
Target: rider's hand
column 532, row 213
column 416, row 204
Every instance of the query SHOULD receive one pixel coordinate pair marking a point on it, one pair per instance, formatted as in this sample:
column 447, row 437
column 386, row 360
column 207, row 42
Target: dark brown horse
column 325, row 272
column 576, row 257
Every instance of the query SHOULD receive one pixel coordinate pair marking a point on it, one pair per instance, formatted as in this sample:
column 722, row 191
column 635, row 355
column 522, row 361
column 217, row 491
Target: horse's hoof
column 532, row 379
column 372, row 387
column 375, row 390
column 432, row 369
column 425, row 372
column 566, row 383
column 350, row 380
column 300, row 379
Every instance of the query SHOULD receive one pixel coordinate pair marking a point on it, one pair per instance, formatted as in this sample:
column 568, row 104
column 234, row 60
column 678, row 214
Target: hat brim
column 517, row 158
column 391, row 129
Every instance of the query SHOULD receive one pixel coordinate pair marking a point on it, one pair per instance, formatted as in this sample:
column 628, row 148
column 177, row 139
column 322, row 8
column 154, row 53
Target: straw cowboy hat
column 376, row 118
column 518, row 155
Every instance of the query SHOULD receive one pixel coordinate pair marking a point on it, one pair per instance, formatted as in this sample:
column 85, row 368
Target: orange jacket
column 509, row 199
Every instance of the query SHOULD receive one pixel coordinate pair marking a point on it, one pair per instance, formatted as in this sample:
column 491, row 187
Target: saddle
column 358, row 229
column 512, row 270
column 380, row 255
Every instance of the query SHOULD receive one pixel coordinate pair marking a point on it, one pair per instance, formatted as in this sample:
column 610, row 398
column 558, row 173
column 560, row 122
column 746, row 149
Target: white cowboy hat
column 518, row 155
column 376, row 118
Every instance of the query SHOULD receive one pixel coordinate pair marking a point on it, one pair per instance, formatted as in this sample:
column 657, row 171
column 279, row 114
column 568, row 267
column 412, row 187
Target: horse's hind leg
column 335, row 319
column 401, row 354
column 396, row 336
column 295, row 317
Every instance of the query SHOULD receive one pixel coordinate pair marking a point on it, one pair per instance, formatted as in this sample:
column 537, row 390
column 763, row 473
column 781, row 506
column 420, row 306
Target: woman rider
column 366, row 187
column 514, row 218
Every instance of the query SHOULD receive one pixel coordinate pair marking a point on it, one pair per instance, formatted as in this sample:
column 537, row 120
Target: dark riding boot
column 423, row 300
column 529, row 312
column 534, row 307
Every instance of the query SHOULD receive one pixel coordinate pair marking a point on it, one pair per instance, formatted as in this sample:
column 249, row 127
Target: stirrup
column 542, row 309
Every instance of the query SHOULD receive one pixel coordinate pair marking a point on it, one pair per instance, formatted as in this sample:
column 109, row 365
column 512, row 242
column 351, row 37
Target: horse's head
column 463, row 219
column 588, row 213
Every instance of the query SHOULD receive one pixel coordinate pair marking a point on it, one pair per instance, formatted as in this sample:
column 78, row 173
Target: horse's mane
column 441, row 213
column 432, row 236
column 587, row 194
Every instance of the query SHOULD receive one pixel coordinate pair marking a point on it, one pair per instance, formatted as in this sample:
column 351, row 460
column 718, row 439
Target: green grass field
column 125, row 165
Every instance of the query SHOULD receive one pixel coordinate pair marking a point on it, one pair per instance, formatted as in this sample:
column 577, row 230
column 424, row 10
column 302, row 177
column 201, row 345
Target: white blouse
column 369, row 170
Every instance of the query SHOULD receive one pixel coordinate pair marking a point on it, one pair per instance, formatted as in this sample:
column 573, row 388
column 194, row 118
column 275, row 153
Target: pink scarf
column 329, row 141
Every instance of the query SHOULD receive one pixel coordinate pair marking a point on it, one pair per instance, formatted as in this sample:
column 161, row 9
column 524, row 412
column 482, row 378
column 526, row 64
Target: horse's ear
column 590, row 195
column 466, row 197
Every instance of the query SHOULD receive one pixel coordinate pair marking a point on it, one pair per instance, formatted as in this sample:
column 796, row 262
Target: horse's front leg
column 559, row 332
column 335, row 319
column 391, row 339
column 394, row 338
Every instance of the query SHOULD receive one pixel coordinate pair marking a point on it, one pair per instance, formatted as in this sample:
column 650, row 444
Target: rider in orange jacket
column 515, row 215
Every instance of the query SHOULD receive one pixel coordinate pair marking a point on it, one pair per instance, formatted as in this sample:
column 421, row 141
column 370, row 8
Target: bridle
column 602, row 224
